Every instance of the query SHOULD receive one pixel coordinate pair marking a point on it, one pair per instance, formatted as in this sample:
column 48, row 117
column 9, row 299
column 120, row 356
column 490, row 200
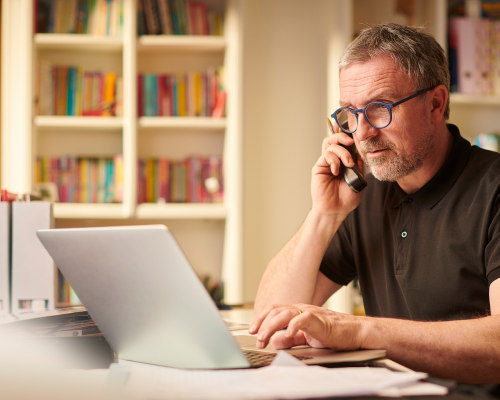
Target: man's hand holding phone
column 330, row 192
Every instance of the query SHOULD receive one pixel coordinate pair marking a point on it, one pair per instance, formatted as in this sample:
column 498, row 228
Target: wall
column 285, row 98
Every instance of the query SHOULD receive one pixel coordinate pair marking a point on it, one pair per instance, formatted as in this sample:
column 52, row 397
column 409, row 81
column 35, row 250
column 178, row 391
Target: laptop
column 146, row 299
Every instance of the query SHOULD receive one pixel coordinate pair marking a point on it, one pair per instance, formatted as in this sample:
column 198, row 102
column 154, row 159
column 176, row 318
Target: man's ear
column 439, row 96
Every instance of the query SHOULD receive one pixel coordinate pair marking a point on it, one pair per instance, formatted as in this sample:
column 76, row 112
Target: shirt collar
column 434, row 190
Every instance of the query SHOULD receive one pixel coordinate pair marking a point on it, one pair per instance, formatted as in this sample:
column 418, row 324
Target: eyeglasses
column 377, row 113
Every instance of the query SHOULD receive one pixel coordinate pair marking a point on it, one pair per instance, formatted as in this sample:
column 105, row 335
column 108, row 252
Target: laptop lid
column 141, row 291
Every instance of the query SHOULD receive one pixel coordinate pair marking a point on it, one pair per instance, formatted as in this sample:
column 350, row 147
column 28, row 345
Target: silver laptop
column 150, row 305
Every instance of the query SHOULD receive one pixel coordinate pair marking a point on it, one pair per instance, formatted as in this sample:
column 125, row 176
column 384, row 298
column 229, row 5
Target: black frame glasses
column 387, row 106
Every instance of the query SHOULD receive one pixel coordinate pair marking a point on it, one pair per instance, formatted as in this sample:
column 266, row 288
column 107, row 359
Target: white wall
column 285, row 97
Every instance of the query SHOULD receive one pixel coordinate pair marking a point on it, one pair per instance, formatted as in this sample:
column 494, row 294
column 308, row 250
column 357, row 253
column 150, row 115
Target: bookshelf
column 26, row 135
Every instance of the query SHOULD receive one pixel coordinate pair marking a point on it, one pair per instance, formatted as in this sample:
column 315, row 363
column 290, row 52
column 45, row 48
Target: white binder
column 4, row 259
column 33, row 271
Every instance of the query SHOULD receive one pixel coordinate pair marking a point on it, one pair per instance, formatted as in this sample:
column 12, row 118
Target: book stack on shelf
column 180, row 95
column 177, row 17
column 72, row 91
column 474, row 50
column 83, row 179
column 93, row 17
column 193, row 180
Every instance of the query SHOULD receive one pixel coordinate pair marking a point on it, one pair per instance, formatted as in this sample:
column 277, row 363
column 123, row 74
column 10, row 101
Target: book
column 180, row 181
column 471, row 65
column 70, row 90
column 95, row 17
column 193, row 94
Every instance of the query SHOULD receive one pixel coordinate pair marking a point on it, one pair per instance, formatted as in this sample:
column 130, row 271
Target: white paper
column 284, row 382
column 283, row 359
column 415, row 389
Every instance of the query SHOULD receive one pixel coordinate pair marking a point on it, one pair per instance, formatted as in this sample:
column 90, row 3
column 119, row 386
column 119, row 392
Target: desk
column 19, row 380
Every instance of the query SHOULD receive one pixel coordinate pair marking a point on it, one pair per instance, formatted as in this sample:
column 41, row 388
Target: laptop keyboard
column 261, row 359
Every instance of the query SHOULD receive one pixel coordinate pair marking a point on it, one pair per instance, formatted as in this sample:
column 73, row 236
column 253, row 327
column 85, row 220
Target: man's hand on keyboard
column 308, row 325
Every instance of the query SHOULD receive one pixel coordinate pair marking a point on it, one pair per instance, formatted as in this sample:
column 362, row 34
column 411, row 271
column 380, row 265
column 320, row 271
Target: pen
column 330, row 126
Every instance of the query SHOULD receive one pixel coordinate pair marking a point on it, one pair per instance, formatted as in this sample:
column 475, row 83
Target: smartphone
column 353, row 176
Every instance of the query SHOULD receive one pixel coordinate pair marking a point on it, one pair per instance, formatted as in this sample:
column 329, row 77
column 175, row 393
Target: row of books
column 190, row 94
column 70, row 90
column 94, row 17
column 177, row 17
column 193, row 180
column 65, row 294
column 83, row 179
column 474, row 8
column 474, row 55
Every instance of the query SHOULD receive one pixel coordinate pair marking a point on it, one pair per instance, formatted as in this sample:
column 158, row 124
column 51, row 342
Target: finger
column 272, row 325
column 281, row 341
column 338, row 138
column 342, row 153
column 333, row 162
column 257, row 322
column 311, row 324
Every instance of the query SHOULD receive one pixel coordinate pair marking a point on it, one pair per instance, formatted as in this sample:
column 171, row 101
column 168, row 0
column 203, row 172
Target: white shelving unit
column 26, row 135
column 54, row 122
column 205, row 123
column 181, row 43
column 56, row 41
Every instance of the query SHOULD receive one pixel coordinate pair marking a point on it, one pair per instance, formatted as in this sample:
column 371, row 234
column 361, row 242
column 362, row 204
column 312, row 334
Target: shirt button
column 404, row 234
column 409, row 200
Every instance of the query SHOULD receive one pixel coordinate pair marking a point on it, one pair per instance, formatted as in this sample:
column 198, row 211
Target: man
column 423, row 237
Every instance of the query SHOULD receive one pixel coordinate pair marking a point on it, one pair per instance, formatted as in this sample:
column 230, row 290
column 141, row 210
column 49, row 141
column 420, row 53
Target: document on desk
column 276, row 381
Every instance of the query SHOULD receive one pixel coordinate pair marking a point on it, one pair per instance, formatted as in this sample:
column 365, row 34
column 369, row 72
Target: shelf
column 93, row 211
column 181, row 211
column 459, row 98
column 47, row 121
column 182, row 122
column 181, row 43
column 54, row 41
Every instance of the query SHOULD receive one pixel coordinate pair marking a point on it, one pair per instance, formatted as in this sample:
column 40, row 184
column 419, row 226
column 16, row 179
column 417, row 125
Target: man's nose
column 365, row 131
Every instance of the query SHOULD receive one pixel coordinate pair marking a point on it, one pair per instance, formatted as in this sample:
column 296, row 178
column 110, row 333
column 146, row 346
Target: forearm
column 466, row 351
column 291, row 275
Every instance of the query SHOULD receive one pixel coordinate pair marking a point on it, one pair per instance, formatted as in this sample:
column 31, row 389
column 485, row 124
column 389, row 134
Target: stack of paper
column 282, row 380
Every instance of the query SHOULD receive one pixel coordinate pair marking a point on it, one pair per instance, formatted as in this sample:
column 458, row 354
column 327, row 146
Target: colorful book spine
column 70, row 90
column 177, row 17
column 96, row 17
column 83, row 179
column 191, row 94
column 474, row 55
column 195, row 179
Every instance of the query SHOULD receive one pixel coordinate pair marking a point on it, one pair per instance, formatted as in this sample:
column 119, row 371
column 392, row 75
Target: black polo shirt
column 430, row 255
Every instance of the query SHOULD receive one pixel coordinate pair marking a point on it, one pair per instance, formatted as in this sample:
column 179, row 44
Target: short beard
column 392, row 166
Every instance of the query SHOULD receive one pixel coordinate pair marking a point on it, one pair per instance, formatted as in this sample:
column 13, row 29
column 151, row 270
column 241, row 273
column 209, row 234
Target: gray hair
column 417, row 53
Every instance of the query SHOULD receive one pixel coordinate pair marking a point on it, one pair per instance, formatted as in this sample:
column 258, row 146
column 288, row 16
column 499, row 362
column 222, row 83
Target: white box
column 4, row 258
column 33, row 272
